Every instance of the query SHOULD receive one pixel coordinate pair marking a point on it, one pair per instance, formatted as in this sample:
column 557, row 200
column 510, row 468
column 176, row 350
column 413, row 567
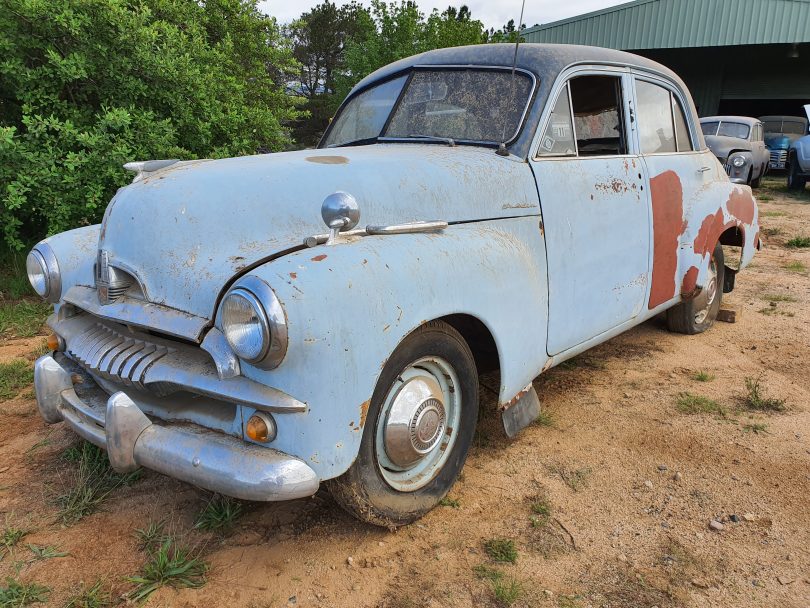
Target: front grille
column 778, row 156
column 116, row 356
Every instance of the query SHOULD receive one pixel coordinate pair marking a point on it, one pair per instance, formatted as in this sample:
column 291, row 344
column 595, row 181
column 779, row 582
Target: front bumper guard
column 205, row 458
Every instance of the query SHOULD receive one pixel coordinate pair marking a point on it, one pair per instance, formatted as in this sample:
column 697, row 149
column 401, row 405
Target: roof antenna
column 502, row 151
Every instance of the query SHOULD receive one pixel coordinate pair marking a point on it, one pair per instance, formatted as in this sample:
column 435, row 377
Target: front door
column 595, row 209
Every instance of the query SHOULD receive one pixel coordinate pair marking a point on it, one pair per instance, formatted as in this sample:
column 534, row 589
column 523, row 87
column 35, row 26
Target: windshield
column 465, row 105
column 726, row 129
column 789, row 127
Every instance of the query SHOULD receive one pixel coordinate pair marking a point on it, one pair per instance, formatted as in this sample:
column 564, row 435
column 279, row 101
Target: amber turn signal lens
column 261, row 427
column 55, row 342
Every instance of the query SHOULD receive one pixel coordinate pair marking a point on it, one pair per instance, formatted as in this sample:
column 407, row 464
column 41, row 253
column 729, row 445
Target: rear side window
column 682, row 137
column 656, row 127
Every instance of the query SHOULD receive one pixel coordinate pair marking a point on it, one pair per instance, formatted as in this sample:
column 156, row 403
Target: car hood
column 779, row 141
column 721, row 146
column 187, row 230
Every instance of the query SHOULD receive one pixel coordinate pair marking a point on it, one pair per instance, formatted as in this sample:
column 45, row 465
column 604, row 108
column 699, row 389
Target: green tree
column 318, row 39
column 86, row 85
column 397, row 30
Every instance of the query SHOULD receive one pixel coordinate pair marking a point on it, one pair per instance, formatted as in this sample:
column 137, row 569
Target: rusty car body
column 738, row 143
column 212, row 328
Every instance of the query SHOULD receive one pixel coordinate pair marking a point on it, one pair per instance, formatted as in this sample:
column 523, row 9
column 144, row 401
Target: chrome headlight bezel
column 272, row 319
column 738, row 161
column 43, row 256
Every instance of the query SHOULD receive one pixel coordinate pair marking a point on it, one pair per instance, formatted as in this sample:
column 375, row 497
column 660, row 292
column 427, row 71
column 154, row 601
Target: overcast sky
column 494, row 13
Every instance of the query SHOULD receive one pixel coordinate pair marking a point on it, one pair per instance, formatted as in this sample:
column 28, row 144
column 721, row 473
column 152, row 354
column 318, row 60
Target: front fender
column 349, row 305
column 75, row 252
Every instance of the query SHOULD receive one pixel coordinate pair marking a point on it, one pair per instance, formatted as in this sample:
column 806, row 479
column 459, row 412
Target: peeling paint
column 364, row 412
column 689, row 284
column 319, row 258
column 667, row 208
column 328, row 160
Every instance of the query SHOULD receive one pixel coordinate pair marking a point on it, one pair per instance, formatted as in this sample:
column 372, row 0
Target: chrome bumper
column 208, row 459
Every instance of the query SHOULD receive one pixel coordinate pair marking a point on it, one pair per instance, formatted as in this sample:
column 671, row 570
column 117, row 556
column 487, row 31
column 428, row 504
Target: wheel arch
column 478, row 337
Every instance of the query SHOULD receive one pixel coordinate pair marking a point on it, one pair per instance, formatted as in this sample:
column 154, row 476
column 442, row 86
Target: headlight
column 253, row 322
column 738, row 161
column 43, row 272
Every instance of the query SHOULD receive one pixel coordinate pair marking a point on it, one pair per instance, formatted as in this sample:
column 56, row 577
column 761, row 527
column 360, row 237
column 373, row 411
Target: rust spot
column 328, row 160
column 319, row 258
column 667, row 206
column 364, row 412
column 615, row 185
column 515, row 399
column 689, row 284
column 293, row 275
column 741, row 205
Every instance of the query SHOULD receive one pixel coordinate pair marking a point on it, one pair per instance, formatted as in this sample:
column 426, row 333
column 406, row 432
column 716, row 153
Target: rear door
column 595, row 207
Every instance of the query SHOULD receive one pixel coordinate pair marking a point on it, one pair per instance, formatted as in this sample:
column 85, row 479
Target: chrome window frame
column 667, row 84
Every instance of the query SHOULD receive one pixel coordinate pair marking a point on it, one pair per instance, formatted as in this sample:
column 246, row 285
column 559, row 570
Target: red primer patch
column 293, row 275
column 689, row 282
column 741, row 205
column 667, row 208
column 319, row 258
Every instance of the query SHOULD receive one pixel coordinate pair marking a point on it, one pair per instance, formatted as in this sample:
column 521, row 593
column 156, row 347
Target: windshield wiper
column 448, row 140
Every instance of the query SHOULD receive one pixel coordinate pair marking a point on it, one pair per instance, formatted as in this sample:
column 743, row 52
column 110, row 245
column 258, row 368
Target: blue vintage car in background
column 780, row 133
column 257, row 326
column 798, row 165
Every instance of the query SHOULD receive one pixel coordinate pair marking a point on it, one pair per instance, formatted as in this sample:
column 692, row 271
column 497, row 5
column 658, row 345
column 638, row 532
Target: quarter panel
column 349, row 305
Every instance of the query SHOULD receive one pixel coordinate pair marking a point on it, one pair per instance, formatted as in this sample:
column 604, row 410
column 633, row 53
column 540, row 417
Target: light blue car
column 257, row 326
column 798, row 166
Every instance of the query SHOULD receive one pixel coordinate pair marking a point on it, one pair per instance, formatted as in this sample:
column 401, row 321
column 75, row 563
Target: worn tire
column 681, row 318
column 794, row 180
column 755, row 183
column 362, row 490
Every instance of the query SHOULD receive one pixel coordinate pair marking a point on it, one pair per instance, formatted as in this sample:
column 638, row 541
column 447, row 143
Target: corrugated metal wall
column 651, row 24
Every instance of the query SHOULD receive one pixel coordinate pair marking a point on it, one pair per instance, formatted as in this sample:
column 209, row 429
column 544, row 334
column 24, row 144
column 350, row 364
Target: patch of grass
column 92, row 482
column 97, row 596
column 13, row 279
column 702, row 376
column 501, row 550
column 541, row 512
column 544, row 419
column 795, row 266
column 219, row 513
column 698, row 404
column 455, row 503
column 769, row 232
column 488, row 573
column 507, row 590
column 170, row 565
column 151, row 537
column 772, row 213
column 10, row 536
column 769, row 312
column 15, row 376
column 574, row 478
column 755, row 427
column 22, row 319
column 779, row 297
column 798, row 242
column 46, row 552
column 764, row 198
column 756, row 400
column 16, row 594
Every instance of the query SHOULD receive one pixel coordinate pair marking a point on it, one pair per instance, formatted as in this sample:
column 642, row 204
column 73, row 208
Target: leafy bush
column 90, row 84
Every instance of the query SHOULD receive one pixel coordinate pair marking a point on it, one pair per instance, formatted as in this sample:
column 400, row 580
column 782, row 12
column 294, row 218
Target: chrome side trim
column 146, row 315
column 409, row 228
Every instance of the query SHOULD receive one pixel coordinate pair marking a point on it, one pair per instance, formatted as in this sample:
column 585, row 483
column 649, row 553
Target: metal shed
column 748, row 57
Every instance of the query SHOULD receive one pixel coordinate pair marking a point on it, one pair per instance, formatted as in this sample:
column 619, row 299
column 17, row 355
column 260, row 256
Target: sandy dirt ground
column 631, row 481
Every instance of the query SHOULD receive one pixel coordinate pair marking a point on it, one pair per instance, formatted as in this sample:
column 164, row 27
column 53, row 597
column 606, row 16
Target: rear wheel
column 698, row 314
column 419, row 428
column 755, row 183
column 794, row 180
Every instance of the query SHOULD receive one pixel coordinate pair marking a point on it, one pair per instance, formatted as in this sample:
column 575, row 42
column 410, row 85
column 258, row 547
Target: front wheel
column 794, row 179
column 419, row 427
column 698, row 314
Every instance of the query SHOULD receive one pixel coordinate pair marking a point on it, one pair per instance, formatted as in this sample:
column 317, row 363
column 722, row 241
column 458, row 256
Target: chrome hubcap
column 417, row 424
column 710, row 292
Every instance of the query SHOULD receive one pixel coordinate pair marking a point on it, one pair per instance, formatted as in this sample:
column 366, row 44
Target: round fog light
column 261, row 427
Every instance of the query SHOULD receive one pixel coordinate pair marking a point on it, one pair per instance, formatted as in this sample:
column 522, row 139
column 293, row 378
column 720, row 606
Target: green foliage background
column 86, row 85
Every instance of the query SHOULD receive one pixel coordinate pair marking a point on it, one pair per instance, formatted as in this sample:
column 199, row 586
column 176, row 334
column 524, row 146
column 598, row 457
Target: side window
column 558, row 138
column 655, row 124
column 684, row 141
column 598, row 118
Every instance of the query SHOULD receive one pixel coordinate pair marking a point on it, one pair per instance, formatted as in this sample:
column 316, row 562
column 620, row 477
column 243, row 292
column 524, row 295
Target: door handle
column 704, row 169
